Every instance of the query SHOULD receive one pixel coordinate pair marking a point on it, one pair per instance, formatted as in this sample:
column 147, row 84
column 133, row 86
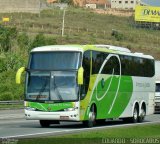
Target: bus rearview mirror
column 80, row 75
column 19, row 74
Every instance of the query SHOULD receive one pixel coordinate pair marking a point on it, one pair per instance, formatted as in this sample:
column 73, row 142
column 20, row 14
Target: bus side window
column 86, row 65
column 137, row 66
column 97, row 61
column 112, row 66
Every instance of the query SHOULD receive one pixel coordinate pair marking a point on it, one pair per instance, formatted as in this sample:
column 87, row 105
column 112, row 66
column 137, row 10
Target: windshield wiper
column 57, row 91
column 42, row 89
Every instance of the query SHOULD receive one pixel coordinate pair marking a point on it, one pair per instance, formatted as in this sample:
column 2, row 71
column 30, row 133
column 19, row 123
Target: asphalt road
column 13, row 125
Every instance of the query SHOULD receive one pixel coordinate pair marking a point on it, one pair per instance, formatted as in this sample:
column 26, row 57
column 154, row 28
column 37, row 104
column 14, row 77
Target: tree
column 50, row 41
column 7, row 35
column 38, row 41
column 41, row 40
column 23, row 41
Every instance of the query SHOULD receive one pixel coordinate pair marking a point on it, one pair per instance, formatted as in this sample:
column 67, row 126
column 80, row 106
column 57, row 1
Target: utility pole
column 39, row 8
column 64, row 11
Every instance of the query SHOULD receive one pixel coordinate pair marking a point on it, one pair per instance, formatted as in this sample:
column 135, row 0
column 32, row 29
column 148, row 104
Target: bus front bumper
column 61, row 116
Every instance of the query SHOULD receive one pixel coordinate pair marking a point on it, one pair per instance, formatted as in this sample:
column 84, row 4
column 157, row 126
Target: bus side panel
column 151, row 104
column 111, row 95
column 113, row 98
column 143, row 91
column 85, row 103
column 113, row 101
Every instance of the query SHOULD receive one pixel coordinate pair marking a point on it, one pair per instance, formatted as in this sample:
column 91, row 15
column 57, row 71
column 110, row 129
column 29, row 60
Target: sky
column 152, row 2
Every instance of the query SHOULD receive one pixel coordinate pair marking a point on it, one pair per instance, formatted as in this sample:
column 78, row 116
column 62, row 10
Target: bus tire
column 126, row 120
column 101, row 121
column 44, row 123
column 142, row 114
column 134, row 118
column 92, row 118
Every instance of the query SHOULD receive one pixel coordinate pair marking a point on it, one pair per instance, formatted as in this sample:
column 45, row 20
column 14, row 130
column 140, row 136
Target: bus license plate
column 64, row 117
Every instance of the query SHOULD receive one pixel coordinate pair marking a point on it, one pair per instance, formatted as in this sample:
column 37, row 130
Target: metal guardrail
column 12, row 102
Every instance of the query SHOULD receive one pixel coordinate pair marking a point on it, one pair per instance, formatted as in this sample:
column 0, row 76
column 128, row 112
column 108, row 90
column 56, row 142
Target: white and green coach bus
column 88, row 83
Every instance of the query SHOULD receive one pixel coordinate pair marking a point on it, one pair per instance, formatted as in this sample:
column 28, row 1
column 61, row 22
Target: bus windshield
column 54, row 60
column 51, row 86
column 157, row 87
column 51, row 76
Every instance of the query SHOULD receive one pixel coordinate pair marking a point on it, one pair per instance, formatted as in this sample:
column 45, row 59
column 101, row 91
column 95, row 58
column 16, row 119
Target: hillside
column 81, row 27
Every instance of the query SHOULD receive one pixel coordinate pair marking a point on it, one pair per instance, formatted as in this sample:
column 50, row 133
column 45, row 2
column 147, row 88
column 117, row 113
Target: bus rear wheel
column 134, row 119
column 92, row 118
column 142, row 114
column 101, row 121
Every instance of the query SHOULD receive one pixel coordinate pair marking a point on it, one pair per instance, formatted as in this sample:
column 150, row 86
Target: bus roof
column 58, row 48
column 82, row 48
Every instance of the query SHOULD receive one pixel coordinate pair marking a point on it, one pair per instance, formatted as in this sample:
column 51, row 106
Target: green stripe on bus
column 104, row 106
column 51, row 107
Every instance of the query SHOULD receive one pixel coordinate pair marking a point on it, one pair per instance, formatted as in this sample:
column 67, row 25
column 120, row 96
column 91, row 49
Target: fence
column 79, row 31
column 11, row 102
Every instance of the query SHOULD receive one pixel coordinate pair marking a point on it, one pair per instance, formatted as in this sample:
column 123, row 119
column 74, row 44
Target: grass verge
column 130, row 134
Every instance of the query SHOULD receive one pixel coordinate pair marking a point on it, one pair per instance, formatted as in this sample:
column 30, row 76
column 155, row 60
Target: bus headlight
column 26, row 104
column 69, row 109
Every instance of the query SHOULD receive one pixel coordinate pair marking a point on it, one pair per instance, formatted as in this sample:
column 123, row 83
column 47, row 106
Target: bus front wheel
column 44, row 123
column 92, row 118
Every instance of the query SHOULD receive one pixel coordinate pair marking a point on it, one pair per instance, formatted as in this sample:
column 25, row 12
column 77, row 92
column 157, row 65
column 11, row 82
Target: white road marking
column 78, row 130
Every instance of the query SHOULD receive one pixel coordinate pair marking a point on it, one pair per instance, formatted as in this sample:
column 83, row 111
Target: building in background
column 32, row 6
column 80, row 3
column 57, row 4
column 51, row 1
column 98, row 4
column 125, row 4
column 93, row 3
